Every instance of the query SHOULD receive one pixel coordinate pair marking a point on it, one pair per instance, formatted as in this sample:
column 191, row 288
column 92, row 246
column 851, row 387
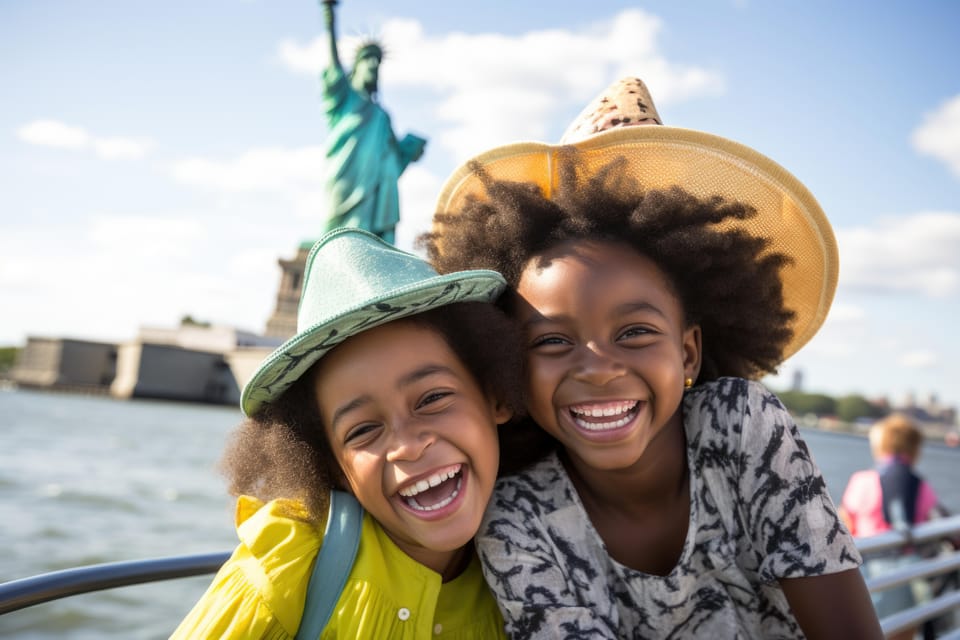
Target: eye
column 636, row 331
column 551, row 340
column 361, row 434
column 431, row 398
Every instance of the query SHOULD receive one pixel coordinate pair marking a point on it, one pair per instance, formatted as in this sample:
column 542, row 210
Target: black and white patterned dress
column 759, row 511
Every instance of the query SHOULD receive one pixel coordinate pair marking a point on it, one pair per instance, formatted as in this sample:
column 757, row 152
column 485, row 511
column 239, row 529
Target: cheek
column 541, row 387
column 360, row 471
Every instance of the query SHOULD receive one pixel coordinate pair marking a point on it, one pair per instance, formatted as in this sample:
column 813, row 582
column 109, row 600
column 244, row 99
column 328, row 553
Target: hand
column 328, row 6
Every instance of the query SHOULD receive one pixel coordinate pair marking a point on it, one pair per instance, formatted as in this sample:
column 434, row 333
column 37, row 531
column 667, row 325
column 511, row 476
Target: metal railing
column 26, row 592
column 940, row 565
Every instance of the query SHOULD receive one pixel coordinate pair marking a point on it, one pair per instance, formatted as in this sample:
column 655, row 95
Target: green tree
column 851, row 407
column 189, row 320
column 800, row 403
column 8, row 355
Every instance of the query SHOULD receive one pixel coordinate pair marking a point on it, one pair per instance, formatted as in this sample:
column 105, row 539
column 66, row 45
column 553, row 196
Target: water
column 86, row 480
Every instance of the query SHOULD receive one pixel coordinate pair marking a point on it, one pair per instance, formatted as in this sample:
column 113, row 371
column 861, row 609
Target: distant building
column 797, row 384
column 65, row 364
column 188, row 363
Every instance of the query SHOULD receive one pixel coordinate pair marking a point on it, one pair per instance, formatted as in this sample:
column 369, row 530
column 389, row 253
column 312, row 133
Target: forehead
column 594, row 273
column 375, row 361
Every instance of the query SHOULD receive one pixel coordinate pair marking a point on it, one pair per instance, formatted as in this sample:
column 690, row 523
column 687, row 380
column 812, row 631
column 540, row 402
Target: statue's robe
column 363, row 159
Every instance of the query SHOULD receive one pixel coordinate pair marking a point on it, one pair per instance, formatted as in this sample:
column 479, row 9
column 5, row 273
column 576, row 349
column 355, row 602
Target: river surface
column 85, row 480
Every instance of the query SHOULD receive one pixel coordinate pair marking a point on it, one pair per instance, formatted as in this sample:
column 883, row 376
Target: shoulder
column 726, row 405
column 530, row 495
column 261, row 588
column 278, row 546
column 731, row 396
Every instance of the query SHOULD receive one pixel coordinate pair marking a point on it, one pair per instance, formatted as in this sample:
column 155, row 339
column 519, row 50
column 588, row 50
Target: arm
column 790, row 515
column 834, row 606
column 329, row 20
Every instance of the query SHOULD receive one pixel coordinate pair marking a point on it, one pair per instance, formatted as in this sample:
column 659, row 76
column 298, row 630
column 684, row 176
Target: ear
column 501, row 412
column 692, row 351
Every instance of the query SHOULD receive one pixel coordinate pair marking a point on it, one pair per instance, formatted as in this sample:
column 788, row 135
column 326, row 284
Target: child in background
column 391, row 390
column 890, row 496
column 653, row 271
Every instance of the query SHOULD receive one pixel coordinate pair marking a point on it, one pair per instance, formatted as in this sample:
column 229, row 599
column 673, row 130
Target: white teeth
column 432, row 481
column 613, row 409
column 622, row 411
column 433, row 507
column 603, row 426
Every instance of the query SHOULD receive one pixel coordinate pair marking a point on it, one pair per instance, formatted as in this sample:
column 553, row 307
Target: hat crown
column 350, row 267
column 355, row 281
column 626, row 102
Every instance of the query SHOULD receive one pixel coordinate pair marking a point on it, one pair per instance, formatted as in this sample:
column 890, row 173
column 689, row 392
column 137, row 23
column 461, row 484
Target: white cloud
column 919, row 359
column 121, row 148
column 494, row 88
column 53, row 133
column 842, row 313
column 939, row 135
column 265, row 169
column 418, row 197
column 132, row 239
column 911, row 254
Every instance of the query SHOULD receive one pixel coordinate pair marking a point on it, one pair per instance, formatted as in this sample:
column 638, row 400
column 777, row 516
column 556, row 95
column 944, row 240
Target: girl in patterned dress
column 657, row 491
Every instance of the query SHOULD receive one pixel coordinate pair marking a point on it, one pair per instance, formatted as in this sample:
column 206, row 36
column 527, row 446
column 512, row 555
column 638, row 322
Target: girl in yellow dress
column 392, row 390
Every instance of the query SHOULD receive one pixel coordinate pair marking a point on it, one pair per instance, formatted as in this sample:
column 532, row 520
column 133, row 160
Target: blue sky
column 159, row 157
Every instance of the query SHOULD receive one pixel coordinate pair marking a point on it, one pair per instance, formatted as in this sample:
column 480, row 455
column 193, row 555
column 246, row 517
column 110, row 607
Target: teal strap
column 333, row 565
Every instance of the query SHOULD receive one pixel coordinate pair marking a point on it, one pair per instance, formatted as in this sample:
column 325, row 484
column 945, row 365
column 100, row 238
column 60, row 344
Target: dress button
column 404, row 613
column 437, row 629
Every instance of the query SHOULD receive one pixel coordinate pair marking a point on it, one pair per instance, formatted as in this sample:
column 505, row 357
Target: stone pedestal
column 283, row 323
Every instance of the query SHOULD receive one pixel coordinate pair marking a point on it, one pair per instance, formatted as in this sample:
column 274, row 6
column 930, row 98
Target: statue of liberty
column 364, row 159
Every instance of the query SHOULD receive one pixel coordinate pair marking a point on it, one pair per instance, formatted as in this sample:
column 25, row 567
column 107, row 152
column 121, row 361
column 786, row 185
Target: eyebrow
column 411, row 378
column 623, row 309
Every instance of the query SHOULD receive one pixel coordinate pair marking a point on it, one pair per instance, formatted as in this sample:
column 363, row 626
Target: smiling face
column 607, row 351
column 414, row 434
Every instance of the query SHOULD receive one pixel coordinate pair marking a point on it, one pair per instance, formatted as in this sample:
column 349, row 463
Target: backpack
column 334, row 562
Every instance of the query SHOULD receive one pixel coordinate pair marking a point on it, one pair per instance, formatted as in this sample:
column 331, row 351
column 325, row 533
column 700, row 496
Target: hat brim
column 703, row 164
column 294, row 357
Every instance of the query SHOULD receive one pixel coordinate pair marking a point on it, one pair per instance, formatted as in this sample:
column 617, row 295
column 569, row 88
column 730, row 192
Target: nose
column 596, row 366
column 409, row 439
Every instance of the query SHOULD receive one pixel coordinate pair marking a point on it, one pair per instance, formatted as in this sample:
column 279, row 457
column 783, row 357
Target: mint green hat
column 355, row 281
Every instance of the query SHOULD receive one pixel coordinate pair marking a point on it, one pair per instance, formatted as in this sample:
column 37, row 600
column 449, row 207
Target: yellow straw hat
column 703, row 164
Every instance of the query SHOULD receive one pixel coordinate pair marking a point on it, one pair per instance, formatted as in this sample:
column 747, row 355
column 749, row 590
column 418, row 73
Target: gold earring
column 688, row 383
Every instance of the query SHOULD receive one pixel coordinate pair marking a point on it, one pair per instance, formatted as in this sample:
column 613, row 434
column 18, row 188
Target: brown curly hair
column 282, row 450
column 726, row 280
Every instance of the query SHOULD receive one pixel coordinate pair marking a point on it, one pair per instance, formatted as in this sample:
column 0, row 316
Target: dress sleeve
column 544, row 584
column 789, row 515
column 230, row 608
column 259, row 591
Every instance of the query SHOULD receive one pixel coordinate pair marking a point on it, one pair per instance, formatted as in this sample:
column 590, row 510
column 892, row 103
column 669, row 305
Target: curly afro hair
column 282, row 450
column 726, row 280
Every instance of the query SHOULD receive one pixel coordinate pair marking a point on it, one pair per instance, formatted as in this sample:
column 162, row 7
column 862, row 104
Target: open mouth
column 434, row 492
column 604, row 416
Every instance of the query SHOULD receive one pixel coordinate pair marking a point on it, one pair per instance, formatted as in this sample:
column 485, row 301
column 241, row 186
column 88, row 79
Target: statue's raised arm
column 364, row 159
column 330, row 22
